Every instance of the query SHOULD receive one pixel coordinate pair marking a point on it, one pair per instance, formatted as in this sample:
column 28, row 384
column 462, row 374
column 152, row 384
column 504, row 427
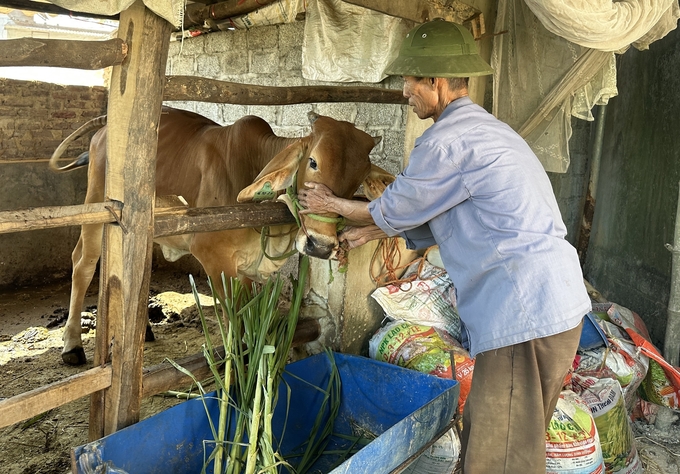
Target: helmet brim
column 469, row 65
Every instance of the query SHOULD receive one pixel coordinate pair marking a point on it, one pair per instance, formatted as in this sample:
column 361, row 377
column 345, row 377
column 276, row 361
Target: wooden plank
column 133, row 116
column 59, row 216
column 421, row 11
column 37, row 401
column 62, row 53
column 211, row 90
column 162, row 377
column 183, row 220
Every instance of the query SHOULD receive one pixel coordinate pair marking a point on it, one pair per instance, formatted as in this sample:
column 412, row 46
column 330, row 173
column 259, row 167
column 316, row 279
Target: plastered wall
column 637, row 194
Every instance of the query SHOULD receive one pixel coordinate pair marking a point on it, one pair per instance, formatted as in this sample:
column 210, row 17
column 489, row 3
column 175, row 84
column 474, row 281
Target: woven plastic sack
column 426, row 349
column 429, row 299
column 605, row 400
column 662, row 383
column 572, row 443
column 440, row 458
column 619, row 360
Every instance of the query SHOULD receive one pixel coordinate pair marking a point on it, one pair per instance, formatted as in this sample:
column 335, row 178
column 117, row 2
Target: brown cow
column 211, row 165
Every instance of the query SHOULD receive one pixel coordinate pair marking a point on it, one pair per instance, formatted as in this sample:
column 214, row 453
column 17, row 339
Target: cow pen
column 118, row 382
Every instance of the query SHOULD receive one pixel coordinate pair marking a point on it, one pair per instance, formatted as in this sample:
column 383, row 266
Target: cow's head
column 335, row 154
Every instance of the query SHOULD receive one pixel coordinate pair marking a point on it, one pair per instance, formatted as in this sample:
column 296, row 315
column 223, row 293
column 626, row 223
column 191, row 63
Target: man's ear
column 376, row 182
column 278, row 174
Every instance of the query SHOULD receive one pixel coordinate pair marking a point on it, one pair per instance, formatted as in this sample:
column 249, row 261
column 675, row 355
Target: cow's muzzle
column 314, row 247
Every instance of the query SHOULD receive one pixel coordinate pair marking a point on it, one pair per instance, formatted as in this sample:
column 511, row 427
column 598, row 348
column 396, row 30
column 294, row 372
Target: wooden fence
column 118, row 382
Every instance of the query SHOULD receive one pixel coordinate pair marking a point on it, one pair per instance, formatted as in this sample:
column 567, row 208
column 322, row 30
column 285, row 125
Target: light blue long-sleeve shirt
column 474, row 187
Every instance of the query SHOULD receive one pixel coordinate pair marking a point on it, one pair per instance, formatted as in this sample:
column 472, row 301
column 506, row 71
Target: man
column 475, row 188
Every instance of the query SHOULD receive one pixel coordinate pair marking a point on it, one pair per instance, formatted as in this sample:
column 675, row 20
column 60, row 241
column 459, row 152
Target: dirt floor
column 31, row 322
column 31, row 327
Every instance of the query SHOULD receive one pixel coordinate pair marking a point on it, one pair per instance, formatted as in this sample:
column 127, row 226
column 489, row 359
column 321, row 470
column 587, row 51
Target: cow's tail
column 84, row 158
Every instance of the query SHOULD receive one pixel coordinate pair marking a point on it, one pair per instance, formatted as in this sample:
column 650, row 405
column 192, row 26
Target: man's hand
column 356, row 236
column 316, row 198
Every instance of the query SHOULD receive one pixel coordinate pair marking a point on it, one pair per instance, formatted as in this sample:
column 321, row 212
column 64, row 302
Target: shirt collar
column 455, row 105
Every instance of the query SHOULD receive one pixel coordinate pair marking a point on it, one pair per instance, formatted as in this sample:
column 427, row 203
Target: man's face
column 421, row 95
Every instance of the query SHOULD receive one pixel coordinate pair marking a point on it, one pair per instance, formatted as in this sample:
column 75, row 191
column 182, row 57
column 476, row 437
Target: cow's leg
column 85, row 257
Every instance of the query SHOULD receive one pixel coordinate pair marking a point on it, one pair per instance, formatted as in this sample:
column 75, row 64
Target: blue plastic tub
column 592, row 335
column 403, row 408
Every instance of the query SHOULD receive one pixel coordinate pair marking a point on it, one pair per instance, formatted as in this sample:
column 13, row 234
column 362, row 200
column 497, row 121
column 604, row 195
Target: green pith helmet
column 439, row 48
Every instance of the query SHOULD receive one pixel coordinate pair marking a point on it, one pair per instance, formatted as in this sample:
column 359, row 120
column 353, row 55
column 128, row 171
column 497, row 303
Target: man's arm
column 318, row 198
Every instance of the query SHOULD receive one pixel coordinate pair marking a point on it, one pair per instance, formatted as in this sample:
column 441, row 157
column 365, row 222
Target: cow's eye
column 312, row 163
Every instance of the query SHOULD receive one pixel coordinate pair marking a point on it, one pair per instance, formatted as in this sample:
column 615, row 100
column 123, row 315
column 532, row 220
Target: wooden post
column 133, row 116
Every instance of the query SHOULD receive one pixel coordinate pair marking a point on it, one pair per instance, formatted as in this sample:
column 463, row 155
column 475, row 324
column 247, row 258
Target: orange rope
column 388, row 250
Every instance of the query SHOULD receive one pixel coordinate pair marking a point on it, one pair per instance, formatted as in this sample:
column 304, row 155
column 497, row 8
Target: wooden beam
column 164, row 376
column 134, row 111
column 62, row 53
column 59, row 216
column 168, row 221
column 211, row 90
column 37, row 401
column 183, row 220
column 421, row 11
column 198, row 14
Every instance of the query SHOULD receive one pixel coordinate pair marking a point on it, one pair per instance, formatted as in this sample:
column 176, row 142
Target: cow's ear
column 376, row 182
column 277, row 175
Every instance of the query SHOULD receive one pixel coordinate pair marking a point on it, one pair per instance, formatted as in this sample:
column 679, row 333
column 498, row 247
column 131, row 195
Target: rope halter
column 294, row 206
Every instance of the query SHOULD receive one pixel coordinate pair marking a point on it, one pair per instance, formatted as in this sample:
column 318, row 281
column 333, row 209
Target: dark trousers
column 513, row 395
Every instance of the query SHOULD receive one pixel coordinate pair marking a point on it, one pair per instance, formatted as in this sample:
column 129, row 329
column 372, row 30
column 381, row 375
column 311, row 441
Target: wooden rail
column 29, row 404
column 167, row 221
column 62, row 53
column 183, row 220
column 59, row 216
column 211, row 90
column 44, row 7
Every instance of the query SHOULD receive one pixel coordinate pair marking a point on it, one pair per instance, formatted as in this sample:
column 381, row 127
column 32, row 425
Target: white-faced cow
column 211, row 165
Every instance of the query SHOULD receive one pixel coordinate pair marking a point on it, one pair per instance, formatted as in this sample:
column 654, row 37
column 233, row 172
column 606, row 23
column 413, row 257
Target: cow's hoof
column 75, row 356
column 149, row 337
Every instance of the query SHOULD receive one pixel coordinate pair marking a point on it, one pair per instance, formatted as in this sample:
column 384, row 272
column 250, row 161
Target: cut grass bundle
column 257, row 338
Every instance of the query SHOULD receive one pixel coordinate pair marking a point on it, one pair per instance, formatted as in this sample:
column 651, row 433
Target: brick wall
column 36, row 116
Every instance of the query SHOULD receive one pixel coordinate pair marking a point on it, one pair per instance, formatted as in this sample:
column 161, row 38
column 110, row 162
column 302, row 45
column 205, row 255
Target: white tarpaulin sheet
column 346, row 43
column 607, row 25
column 171, row 10
column 543, row 75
